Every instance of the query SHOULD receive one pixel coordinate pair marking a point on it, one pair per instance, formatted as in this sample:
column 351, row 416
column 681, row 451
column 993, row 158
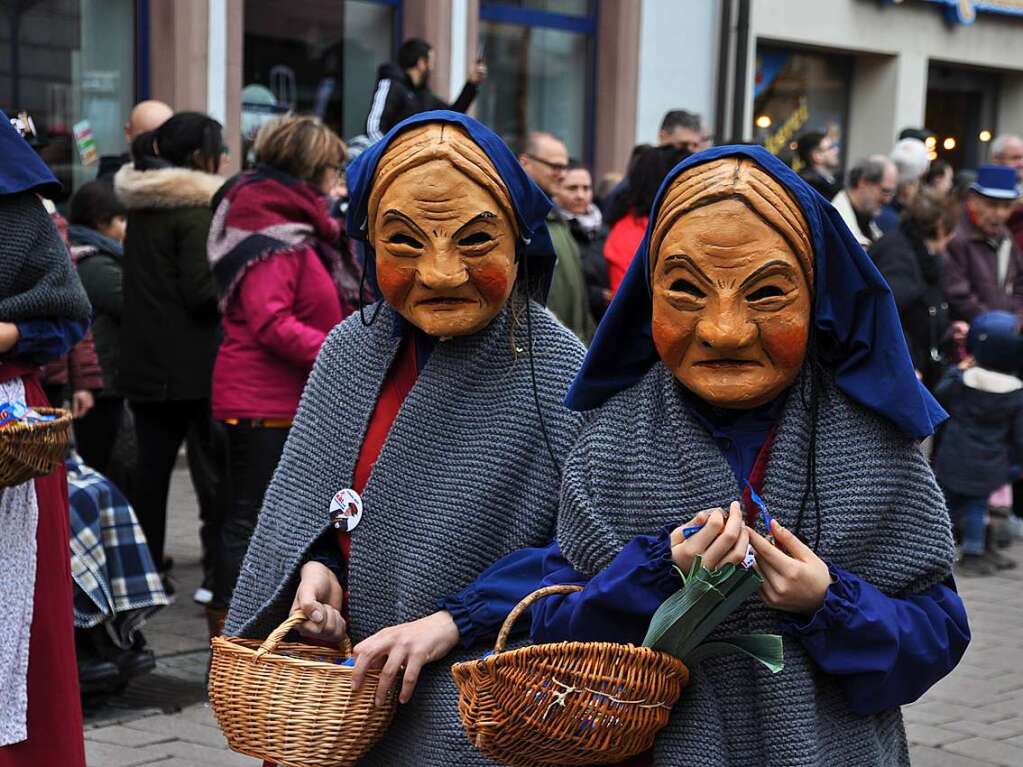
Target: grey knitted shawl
column 642, row 461
column 37, row 280
column 463, row 479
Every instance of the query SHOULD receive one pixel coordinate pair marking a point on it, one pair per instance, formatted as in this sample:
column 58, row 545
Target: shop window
column 540, row 56
column 70, row 64
column 798, row 91
column 314, row 57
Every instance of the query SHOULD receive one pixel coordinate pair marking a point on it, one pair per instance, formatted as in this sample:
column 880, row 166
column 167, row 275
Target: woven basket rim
column 21, row 427
column 606, row 648
column 233, row 646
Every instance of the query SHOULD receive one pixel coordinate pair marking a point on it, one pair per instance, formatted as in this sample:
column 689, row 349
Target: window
column 70, row 64
column 314, row 57
column 540, row 56
column 797, row 91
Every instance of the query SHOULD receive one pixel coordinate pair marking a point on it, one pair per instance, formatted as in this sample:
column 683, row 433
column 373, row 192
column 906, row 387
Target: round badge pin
column 346, row 510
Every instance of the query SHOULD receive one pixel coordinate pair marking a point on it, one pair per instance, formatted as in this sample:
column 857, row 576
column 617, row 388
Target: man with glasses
column 545, row 159
column 871, row 185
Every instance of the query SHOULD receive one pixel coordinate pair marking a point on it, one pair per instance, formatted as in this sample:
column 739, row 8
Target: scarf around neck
column 264, row 212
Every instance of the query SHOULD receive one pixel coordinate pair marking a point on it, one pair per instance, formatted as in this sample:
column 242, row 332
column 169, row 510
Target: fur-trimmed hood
column 165, row 187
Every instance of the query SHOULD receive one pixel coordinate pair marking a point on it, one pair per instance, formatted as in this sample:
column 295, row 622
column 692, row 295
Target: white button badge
column 346, row 510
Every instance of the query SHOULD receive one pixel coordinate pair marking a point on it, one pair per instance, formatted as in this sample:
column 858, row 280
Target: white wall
column 677, row 62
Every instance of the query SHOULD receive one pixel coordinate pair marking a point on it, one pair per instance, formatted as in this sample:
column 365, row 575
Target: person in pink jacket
column 285, row 276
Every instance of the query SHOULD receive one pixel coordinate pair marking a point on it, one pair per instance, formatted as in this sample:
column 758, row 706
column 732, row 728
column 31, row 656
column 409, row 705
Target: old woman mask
column 443, row 228
column 731, row 275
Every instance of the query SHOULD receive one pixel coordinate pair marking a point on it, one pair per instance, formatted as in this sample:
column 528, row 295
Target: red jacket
column 274, row 325
column 622, row 242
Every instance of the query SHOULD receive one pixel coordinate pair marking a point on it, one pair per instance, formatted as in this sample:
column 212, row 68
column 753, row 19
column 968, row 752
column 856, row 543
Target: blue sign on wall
column 965, row 11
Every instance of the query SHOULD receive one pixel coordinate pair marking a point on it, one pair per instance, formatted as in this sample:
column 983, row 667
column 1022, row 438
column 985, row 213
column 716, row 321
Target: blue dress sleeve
column 480, row 609
column 41, row 341
column 886, row 651
column 617, row 603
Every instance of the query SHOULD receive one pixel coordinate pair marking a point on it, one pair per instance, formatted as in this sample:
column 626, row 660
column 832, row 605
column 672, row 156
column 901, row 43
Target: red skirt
column 54, row 707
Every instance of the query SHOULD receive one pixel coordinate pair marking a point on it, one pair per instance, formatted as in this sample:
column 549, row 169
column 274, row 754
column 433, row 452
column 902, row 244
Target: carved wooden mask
column 732, row 278
column 444, row 231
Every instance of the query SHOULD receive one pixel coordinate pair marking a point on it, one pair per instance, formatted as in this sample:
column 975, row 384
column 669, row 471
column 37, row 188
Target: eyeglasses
column 557, row 167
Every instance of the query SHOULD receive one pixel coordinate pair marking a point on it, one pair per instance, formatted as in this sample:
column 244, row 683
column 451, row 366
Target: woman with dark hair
column 628, row 223
column 95, row 234
column 170, row 321
column 753, row 361
column 285, row 277
column 910, row 258
column 43, row 313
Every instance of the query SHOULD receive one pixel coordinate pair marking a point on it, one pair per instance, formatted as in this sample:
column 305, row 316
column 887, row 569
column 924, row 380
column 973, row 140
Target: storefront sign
column 965, row 11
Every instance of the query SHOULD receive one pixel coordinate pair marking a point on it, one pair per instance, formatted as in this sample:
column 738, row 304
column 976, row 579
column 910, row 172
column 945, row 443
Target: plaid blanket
column 112, row 568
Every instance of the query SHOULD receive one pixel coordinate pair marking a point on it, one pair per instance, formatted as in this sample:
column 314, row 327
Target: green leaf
column 763, row 648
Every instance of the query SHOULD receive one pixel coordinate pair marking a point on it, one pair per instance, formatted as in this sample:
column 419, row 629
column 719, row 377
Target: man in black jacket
column 403, row 89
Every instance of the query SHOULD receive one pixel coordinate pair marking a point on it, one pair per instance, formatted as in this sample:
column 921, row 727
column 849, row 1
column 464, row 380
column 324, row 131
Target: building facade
column 599, row 73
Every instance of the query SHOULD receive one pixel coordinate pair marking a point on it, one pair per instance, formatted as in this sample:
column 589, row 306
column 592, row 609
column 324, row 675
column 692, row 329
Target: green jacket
column 568, row 299
column 170, row 324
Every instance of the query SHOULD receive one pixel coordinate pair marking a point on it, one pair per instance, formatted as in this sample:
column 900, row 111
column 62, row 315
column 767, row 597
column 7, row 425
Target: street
column 972, row 718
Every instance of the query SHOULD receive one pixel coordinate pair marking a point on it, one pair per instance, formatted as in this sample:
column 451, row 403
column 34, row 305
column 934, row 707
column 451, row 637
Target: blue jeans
column 970, row 513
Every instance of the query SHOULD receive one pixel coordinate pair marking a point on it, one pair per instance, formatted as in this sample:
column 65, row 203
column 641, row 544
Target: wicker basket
column 569, row 703
column 30, row 450
column 292, row 704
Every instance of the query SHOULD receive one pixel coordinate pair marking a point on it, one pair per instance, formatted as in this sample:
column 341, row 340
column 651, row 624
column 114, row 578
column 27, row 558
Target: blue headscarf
column 21, row 169
column 530, row 203
column 858, row 333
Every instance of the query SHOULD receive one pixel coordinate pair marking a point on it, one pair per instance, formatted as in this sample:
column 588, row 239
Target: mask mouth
column 727, row 362
column 442, row 301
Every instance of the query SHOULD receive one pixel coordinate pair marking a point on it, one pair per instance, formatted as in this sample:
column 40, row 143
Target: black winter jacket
column 170, row 324
column 982, row 445
column 396, row 98
column 914, row 275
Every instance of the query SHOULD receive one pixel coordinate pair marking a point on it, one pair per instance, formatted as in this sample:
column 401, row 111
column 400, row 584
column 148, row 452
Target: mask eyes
column 404, row 239
column 768, row 291
column 475, row 240
column 685, row 286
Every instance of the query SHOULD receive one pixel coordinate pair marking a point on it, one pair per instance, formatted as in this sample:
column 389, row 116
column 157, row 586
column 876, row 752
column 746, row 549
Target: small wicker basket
column 30, row 450
column 293, row 704
column 569, row 703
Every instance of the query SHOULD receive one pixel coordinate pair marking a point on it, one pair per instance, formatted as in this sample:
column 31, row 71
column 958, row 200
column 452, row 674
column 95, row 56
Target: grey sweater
column 882, row 517
column 464, row 478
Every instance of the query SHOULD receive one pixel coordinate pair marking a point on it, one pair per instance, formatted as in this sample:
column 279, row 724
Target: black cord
column 532, row 366
column 815, row 381
column 366, row 261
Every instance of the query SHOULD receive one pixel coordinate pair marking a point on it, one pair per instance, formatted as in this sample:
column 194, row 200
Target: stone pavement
column 973, row 718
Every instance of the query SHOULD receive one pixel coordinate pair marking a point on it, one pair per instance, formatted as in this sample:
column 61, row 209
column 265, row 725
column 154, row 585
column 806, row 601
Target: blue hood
column 21, row 169
column 858, row 333
column 531, row 205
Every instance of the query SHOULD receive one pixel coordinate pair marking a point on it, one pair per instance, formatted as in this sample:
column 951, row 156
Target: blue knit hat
column 995, row 343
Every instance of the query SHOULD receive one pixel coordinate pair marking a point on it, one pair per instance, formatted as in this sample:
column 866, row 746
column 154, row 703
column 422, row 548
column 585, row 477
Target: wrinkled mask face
column 731, row 306
column 445, row 250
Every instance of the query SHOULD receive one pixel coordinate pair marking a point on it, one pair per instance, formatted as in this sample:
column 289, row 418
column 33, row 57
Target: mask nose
column 444, row 271
column 727, row 331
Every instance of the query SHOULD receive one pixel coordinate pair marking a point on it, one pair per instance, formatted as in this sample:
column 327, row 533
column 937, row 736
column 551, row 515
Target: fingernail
column 316, row 617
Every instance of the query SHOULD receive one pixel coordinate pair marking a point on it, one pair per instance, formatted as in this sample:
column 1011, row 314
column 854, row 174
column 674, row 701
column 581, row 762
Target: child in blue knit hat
column 980, row 449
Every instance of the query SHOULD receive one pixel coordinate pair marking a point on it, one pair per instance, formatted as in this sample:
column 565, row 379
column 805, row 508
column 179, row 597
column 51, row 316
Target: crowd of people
column 218, row 311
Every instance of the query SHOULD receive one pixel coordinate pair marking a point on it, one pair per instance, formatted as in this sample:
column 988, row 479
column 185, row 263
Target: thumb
column 788, row 542
column 307, row 602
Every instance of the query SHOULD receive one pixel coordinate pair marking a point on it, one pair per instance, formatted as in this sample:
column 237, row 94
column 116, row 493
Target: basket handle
column 297, row 617
column 521, row 607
